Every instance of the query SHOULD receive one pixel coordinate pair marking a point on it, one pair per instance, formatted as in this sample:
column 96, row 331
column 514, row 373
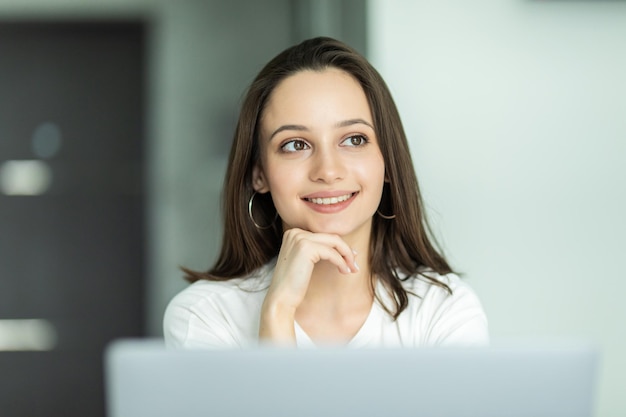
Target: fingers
column 320, row 246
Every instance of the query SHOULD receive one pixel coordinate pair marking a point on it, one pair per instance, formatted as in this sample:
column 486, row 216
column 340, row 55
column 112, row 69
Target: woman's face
column 320, row 158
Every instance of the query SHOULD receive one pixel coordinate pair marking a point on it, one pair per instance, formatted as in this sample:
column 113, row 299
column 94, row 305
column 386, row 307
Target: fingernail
column 354, row 251
column 357, row 266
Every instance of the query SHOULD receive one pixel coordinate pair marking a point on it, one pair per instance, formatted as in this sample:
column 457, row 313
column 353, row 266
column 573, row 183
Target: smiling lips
column 330, row 204
column 329, row 200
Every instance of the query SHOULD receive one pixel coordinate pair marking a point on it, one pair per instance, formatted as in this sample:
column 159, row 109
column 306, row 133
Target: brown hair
column 398, row 247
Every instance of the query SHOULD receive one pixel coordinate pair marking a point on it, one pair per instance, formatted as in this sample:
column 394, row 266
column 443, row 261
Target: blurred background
column 116, row 118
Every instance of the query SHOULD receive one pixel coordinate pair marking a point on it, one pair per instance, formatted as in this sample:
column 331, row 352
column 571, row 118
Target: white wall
column 516, row 114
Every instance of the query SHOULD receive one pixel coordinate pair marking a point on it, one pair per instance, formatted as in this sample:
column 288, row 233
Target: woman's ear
column 259, row 183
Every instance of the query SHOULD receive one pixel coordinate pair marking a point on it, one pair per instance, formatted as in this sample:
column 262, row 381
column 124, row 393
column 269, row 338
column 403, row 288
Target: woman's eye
column 355, row 140
column 294, row 146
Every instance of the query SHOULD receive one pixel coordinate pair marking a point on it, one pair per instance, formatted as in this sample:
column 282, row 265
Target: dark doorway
column 71, row 252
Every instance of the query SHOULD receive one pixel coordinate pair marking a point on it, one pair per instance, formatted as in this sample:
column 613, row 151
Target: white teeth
column 331, row 200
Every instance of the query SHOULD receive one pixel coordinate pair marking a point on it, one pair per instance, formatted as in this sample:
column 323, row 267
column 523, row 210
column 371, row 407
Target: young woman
column 325, row 240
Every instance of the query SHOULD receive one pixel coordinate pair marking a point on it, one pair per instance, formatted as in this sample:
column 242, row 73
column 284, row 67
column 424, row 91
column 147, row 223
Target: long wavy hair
column 400, row 248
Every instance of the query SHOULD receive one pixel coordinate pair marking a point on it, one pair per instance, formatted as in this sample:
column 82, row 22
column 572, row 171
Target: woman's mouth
column 330, row 200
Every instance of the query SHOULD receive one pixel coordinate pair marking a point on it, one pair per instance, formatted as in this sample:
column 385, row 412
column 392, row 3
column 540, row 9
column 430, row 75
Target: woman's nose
column 327, row 166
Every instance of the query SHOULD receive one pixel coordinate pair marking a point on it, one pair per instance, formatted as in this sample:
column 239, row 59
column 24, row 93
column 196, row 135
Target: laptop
column 143, row 378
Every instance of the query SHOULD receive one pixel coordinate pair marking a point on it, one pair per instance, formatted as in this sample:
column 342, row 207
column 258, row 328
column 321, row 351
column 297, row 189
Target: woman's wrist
column 277, row 323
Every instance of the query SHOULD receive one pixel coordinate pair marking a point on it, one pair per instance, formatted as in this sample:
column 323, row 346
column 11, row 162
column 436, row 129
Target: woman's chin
column 335, row 228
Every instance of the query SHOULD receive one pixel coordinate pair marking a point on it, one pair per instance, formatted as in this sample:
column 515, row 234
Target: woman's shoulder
column 441, row 293
column 444, row 317
column 215, row 313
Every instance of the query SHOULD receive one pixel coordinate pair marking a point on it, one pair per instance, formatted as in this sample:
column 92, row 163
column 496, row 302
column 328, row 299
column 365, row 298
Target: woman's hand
column 299, row 252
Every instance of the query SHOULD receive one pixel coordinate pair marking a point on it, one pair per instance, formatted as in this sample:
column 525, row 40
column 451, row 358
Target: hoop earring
column 393, row 216
column 252, row 218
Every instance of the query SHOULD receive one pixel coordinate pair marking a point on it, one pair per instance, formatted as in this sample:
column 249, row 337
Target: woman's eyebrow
column 351, row 122
column 299, row 128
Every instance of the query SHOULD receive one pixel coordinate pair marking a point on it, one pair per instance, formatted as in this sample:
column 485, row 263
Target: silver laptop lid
column 143, row 378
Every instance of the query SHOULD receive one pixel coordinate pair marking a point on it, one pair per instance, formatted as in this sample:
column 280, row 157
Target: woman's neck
column 328, row 286
column 336, row 305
